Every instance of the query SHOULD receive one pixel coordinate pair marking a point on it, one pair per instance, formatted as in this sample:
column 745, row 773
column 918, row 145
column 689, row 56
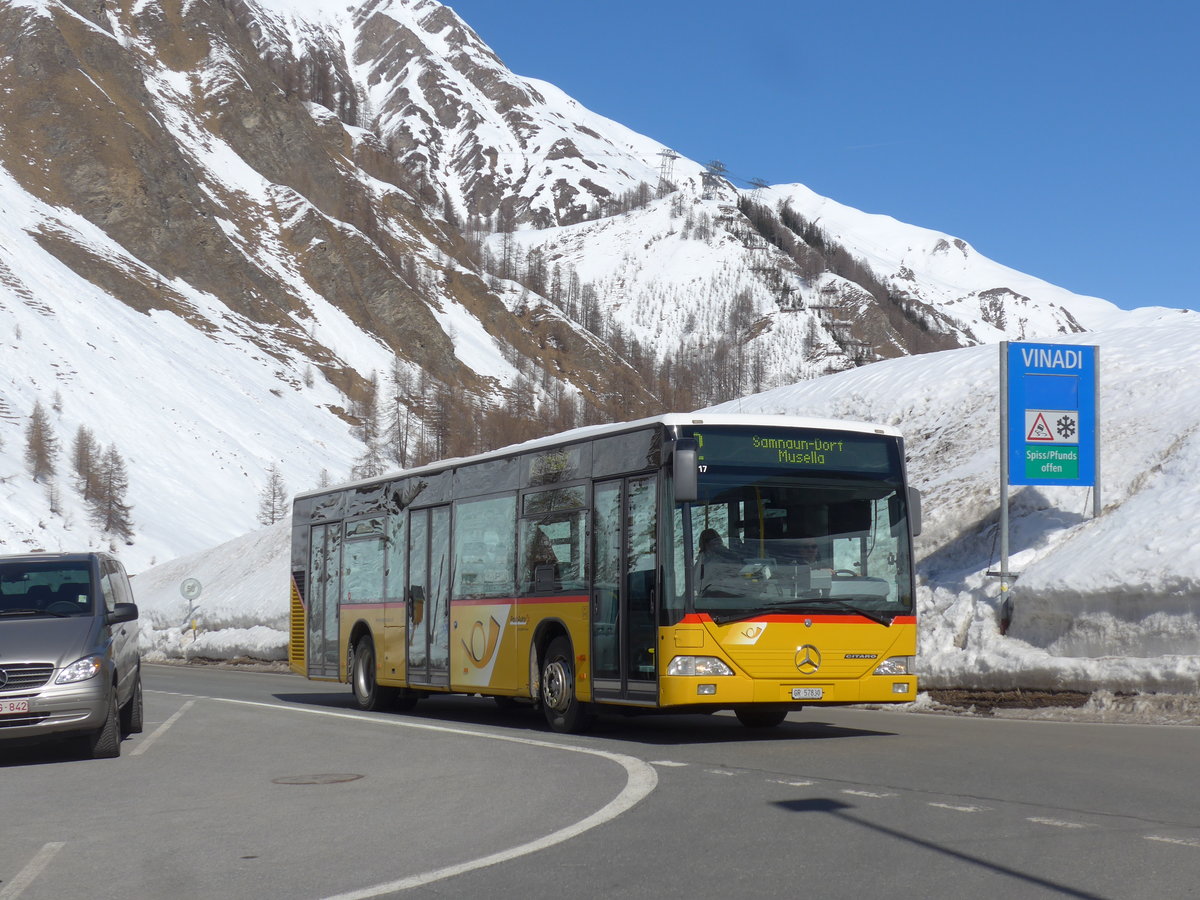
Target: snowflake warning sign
column 1052, row 426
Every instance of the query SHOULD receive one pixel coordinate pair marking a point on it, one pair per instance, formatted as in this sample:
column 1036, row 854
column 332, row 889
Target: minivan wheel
column 131, row 712
column 105, row 742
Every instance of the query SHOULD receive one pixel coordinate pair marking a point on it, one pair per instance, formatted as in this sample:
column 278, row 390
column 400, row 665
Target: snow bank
column 241, row 612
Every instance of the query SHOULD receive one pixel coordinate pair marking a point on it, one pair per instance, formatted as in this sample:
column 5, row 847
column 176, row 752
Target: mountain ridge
column 265, row 232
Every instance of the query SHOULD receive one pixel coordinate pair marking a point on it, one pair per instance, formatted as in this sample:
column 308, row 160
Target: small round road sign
column 190, row 589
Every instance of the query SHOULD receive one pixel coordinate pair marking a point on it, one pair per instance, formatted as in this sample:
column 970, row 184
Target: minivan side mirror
column 123, row 612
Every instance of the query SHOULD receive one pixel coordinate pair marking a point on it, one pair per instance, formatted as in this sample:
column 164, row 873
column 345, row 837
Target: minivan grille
column 18, row 721
column 24, row 676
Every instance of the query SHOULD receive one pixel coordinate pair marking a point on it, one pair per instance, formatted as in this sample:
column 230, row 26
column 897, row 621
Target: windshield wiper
column 799, row 605
column 881, row 618
column 32, row 612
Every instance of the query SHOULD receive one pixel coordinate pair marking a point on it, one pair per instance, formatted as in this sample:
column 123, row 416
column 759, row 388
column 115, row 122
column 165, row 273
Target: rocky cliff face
column 215, row 152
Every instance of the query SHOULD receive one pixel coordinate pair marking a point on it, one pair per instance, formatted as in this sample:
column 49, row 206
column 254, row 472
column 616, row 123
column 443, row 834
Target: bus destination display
column 841, row 452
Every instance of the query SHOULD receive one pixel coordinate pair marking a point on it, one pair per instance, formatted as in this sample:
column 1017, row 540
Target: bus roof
column 588, row 432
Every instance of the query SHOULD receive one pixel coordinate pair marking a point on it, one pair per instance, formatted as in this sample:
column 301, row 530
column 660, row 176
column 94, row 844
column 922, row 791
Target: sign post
column 1049, row 424
column 190, row 590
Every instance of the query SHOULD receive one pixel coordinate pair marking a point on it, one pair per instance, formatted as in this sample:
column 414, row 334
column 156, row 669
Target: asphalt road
column 248, row 784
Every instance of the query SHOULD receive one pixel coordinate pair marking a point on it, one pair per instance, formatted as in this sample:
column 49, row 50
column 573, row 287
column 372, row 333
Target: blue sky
column 1058, row 138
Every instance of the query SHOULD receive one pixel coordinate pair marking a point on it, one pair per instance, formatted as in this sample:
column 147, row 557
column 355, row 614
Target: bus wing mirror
column 683, row 470
column 914, row 510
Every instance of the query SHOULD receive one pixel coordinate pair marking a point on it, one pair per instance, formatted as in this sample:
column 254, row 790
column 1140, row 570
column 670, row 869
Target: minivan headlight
column 698, row 665
column 80, row 670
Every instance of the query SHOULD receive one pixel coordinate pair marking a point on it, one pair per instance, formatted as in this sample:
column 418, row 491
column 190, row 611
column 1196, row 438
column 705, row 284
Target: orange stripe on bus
column 818, row 618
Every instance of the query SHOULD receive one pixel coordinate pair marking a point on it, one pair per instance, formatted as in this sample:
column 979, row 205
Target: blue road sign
column 1052, row 413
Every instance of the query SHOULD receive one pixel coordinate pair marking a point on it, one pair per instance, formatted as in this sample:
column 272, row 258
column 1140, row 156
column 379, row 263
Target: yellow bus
column 680, row 563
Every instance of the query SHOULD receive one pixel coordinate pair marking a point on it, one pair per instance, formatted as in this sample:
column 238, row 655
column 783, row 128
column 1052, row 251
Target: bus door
column 324, row 589
column 429, row 596
column 625, row 593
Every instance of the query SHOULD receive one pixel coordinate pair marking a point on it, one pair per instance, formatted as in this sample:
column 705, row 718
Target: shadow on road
column 46, row 750
column 844, row 811
column 660, row 729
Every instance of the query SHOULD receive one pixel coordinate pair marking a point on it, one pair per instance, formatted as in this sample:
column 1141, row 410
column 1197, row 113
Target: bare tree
column 371, row 463
column 398, row 414
column 273, row 501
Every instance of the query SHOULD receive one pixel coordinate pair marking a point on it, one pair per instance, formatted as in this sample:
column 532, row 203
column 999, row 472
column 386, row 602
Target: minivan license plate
column 807, row 693
column 14, row 706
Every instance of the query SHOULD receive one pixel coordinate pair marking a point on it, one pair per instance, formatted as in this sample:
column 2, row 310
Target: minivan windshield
column 45, row 588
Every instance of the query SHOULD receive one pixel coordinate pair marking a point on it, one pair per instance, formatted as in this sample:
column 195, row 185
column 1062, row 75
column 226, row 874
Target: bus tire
column 563, row 710
column 753, row 717
column 368, row 693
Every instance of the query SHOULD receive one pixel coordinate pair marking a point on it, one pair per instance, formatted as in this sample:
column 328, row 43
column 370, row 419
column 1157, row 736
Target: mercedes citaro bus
column 681, row 563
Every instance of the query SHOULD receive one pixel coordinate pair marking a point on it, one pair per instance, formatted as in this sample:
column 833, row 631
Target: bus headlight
column 698, row 665
column 896, row 665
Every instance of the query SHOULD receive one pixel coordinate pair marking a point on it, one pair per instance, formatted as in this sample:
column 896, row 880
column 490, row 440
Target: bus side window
column 553, row 552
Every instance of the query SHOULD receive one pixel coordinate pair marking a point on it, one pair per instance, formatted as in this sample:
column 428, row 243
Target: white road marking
column 872, row 794
column 966, row 809
column 1056, row 823
column 641, row 779
column 719, row 772
column 791, row 783
column 666, row 763
column 1183, row 842
column 25, row 877
column 145, row 743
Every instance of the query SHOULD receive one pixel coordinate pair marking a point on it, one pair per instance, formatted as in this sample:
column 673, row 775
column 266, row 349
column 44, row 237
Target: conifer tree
column 110, row 512
column 41, row 446
column 85, row 457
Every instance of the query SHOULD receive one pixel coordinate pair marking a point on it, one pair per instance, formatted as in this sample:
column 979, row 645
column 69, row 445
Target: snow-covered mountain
column 219, row 219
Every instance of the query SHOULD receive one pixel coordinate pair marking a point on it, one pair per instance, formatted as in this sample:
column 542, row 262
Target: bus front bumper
column 724, row 691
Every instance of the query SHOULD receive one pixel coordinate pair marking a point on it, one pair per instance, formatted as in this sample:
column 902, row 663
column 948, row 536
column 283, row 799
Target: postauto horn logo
column 808, row 659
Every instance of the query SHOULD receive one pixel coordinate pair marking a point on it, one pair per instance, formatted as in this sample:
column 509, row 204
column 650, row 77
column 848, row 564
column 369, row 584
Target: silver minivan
column 69, row 659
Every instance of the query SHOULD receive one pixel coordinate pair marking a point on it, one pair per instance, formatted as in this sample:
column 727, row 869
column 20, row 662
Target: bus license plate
column 13, row 706
column 807, row 693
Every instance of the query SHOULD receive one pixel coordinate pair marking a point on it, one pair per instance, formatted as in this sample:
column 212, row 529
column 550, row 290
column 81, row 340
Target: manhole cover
column 331, row 778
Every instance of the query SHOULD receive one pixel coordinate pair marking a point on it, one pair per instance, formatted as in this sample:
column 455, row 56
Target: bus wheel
column 368, row 694
column 564, row 712
column 752, row 717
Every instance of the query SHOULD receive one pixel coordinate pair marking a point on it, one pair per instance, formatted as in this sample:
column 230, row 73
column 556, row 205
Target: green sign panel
column 1049, row 463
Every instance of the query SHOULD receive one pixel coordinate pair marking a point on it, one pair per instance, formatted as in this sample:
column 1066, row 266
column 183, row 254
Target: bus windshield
column 797, row 530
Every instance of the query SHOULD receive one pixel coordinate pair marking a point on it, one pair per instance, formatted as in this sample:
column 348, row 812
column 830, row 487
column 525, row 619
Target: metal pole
column 1096, row 502
column 1003, row 472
